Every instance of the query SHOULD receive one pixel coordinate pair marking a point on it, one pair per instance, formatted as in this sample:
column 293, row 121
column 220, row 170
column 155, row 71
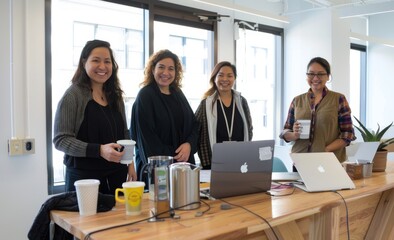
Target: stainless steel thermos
column 184, row 186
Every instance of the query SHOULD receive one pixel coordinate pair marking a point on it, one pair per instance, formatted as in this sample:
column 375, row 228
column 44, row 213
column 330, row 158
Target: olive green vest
column 326, row 125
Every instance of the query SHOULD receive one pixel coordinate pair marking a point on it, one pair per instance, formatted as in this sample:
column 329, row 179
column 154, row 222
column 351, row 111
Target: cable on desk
column 281, row 184
column 87, row 237
column 278, row 187
column 206, row 210
column 265, row 220
column 347, row 215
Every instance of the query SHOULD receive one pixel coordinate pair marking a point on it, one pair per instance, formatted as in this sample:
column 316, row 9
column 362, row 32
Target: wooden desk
column 298, row 216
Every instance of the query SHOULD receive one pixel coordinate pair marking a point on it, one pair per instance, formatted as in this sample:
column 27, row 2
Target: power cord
column 347, row 215
column 198, row 214
column 271, row 193
column 265, row 220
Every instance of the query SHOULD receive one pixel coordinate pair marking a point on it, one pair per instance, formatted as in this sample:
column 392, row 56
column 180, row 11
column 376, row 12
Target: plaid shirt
column 344, row 116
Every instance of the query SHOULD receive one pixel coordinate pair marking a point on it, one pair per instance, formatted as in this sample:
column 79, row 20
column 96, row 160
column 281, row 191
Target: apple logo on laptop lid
column 244, row 168
column 321, row 169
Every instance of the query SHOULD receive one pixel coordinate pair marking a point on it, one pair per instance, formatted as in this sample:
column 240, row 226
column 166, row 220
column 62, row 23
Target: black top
column 160, row 123
column 100, row 125
column 221, row 130
column 176, row 110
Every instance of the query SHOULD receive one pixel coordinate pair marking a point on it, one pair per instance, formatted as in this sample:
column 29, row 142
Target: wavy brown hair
column 157, row 57
column 111, row 87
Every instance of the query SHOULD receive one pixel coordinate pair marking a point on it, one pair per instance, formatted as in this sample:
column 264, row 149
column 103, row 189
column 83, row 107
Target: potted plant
column 380, row 159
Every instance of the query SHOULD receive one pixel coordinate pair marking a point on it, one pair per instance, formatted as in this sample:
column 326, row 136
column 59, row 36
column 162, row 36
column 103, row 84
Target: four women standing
column 91, row 117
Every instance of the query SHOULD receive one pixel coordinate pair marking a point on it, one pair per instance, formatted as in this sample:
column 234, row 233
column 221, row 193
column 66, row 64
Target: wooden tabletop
column 234, row 223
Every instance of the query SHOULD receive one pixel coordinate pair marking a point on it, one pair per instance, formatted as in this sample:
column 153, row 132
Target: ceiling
column 346, row 8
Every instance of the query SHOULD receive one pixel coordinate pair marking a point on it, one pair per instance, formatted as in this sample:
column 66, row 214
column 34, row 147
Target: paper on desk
column 205, row 176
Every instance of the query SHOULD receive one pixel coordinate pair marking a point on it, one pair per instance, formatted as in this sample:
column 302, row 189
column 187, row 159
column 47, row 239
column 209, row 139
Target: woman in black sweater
column 162, row 121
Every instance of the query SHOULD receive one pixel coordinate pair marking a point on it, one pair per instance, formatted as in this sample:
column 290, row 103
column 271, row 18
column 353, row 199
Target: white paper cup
column 128, row 150
column 306, row 126
column 87, row 195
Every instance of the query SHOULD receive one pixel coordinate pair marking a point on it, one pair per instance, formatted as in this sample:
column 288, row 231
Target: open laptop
column 320, row 171
column 240, row 168
column 362, row 152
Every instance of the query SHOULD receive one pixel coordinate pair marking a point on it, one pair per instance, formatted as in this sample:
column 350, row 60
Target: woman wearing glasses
column 331, row 127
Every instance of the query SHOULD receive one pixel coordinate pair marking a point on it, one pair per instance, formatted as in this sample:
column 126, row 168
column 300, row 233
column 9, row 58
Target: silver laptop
column 321, row 171
column 240, row 168
column 363, row 152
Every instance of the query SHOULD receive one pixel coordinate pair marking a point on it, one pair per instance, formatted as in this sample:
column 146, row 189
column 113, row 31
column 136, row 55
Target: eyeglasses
column 318, row 75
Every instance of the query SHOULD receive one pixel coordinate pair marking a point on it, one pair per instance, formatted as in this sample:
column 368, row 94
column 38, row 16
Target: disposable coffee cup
column 305, row 128
column 132, row 196
column 128, row 149
column 87, row 196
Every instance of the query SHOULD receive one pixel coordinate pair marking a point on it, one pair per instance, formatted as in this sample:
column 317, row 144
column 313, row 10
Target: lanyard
column 229, row 130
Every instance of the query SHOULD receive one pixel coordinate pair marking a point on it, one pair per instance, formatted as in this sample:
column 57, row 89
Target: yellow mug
column 132, row 196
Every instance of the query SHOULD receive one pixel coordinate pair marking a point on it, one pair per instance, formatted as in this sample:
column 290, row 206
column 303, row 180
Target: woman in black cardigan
column 162, row 121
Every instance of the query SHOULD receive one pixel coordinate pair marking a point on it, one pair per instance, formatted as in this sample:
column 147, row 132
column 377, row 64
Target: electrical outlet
column 15, row 147
column 28, row 146
column 21, row 146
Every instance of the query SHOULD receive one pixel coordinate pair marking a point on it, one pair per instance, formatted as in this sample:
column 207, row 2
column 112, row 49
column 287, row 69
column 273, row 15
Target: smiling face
column 98, row 66
column 225, row 79
column 319, row 77
column 164, row 74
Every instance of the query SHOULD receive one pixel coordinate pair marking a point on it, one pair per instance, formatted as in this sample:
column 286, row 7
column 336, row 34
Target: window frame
column 157, row 10
column 279, row 73
column 363, row 78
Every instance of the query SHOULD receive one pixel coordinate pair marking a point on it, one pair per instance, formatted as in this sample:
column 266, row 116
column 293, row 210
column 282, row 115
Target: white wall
column 381, row 64
column 23, row 180
column 316, row 34
column 306, row 37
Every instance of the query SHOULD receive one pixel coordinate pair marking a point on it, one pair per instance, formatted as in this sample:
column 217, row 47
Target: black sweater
column 155, row 129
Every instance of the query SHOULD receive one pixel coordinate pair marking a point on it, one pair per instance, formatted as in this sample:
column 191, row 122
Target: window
column 358, row 68
column 71, row 29
column 127, row 44
column 126, row 28
column 259, row 66
column 192, row 45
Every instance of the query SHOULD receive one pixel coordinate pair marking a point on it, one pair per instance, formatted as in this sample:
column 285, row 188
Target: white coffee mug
column 128, row 149
column 305, row 128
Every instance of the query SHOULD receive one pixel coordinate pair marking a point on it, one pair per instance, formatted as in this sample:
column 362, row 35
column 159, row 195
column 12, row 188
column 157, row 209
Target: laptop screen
column 362, row 152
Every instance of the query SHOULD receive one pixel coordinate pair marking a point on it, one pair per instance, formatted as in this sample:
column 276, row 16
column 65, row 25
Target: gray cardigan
column 68, row 119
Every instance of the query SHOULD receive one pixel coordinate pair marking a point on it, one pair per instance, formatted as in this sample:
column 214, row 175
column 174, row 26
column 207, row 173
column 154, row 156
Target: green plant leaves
column 371, row 136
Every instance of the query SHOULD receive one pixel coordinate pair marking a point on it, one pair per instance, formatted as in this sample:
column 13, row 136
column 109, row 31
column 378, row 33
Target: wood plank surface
column 384, row 216
column 300, row 215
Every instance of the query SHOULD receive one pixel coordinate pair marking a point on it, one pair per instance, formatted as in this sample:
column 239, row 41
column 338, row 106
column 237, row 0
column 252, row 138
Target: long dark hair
column 215, row 72
column 111, row 87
